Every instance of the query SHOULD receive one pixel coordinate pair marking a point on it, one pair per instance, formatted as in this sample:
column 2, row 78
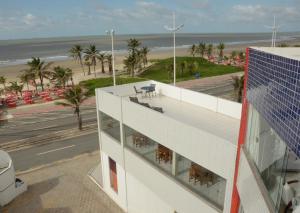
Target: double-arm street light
column 112, row 34
column 174, row 29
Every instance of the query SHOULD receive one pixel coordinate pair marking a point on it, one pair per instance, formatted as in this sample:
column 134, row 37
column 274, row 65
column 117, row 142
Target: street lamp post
column 112, row 33
column 174, row 29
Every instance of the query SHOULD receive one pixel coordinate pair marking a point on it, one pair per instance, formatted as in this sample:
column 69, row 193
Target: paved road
column 64, row 149
column 44, row 123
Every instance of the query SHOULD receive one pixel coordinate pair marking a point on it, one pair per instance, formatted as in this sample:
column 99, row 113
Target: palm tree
column 209, row 50
column 91, row 54
column 88, row 64
column 14, row 86
column 76, row 54
column 182, row 67
column 109, row 62
column 129, row 63
column 101, row 57
column 3, row 81
column 27, row 76
column 133, row 45
column 233, row 54
column 144, row 52
column 238, row 84
column 202, row 49
column 40, row 68
column 221, row 48
column 170, row 69
column 193, row 50
column 74, row 97
column 61, row 76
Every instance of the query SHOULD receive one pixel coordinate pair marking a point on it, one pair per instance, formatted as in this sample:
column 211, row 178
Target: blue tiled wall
column 274, row 90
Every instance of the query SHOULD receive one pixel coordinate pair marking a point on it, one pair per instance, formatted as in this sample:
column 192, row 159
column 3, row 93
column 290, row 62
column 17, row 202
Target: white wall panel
column 120, row 197
column 229, row 108
column 112, row 148
column 199, row 99
column 109, row 104
column 142, row 200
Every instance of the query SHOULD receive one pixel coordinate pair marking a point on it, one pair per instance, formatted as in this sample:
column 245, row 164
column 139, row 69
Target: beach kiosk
column 10, row 186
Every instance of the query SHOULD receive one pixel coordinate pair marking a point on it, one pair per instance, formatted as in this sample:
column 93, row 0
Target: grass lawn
column 159, row 71
column 92, row 84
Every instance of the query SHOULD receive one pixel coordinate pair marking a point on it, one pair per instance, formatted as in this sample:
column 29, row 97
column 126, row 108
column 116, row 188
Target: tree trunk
column 102, row 65
column 80, row 60
column 27, row 85
column 42, row 83
column 79, row 119
column 95, row 70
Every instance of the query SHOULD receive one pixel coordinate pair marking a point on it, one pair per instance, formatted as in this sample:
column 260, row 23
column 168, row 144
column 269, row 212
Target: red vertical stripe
column 235, row 202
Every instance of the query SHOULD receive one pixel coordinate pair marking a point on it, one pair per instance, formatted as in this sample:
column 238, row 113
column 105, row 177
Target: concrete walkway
column 63, row 187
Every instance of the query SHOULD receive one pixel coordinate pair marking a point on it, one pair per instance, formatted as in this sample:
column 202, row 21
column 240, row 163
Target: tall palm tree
column 109, row 62
column 25, row 79
column 129, row 63
column 41, row 69
column 209, row 50
column 76, row 53
column 221, row 48
column 144, row 52
column 101, row 57
column 74, row 97
column 201, row 49
column 133, row 45
column 28, row 76
column 193, row 50
column 238, row 84
column 91, row 54
column 61, row 76
column 3, row 81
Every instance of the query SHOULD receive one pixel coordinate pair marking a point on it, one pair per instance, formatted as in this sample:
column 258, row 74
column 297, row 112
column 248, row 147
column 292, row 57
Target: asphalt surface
column 47, row 122
column 64, row 149
column 44, row 123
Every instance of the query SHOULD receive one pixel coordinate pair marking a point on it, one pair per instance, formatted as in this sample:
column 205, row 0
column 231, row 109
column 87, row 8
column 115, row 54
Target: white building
column 174, row 151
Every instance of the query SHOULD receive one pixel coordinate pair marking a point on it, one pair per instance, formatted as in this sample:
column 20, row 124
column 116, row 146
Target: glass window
column 113, row 174
column 196, row 178
column 200, row 180
column 110, row 126
column 269, row 153
column 157, row 154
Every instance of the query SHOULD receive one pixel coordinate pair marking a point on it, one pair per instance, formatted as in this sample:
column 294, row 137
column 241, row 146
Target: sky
column 56, row 18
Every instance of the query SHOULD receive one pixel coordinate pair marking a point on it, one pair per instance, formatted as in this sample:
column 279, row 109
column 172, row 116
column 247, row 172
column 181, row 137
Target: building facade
column 171, row 151
column 175, row 150
column 270, row 131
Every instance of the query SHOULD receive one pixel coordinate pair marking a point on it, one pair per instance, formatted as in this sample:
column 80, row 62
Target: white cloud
column 259, row 13
column 29, row 19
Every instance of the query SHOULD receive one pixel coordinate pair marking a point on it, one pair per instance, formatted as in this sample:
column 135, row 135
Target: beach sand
column 12, row 72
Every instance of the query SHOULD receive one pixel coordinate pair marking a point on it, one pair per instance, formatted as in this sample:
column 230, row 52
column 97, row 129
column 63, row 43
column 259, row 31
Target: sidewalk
column 63, row 187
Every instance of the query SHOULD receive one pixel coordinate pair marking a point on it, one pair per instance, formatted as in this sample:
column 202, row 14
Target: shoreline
column 11, row 72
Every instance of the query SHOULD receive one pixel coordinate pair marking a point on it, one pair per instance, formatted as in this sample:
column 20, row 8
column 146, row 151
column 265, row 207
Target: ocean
column 53, row 49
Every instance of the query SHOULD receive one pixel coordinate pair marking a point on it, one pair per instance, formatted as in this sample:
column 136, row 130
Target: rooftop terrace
column 214, row 115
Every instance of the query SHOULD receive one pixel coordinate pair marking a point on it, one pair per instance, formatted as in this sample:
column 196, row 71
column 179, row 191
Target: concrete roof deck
column 287, row 52
column 215, row 123
column 192, row 108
